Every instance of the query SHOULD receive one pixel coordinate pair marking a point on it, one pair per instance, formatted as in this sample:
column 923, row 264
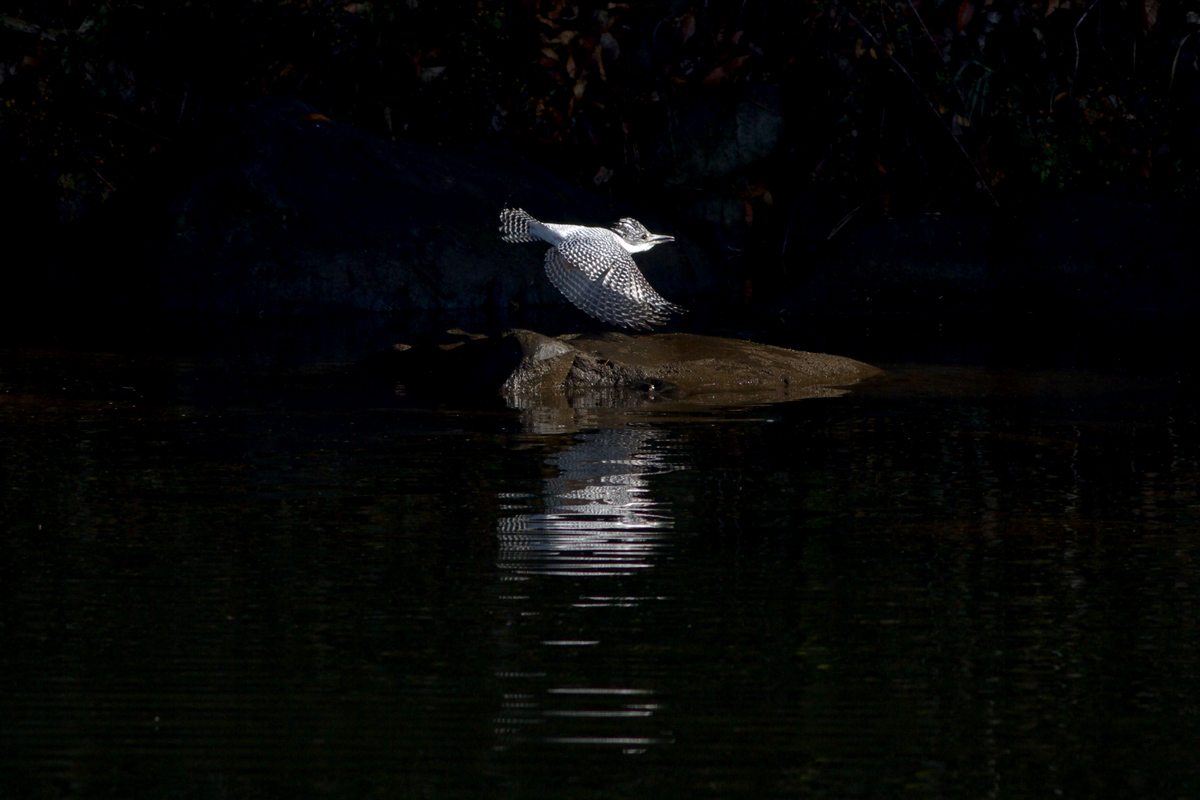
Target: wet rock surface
column 616, row 369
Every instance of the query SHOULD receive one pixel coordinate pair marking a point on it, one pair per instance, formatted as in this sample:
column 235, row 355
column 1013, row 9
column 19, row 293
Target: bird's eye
column 644, row 235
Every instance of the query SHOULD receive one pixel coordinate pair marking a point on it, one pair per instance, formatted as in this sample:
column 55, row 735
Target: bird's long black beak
column 658, row 238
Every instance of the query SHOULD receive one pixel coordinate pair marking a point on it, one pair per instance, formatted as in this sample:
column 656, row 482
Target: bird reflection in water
column 564, row 572
column 599, row 517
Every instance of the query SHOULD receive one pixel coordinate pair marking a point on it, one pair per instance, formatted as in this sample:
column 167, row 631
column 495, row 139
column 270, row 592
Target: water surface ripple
column 237, row 576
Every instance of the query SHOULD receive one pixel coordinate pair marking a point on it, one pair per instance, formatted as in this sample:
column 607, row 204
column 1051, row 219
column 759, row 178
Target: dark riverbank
column 331, row 157
column 289, row 213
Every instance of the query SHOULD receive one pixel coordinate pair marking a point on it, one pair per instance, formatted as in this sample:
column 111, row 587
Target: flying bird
column 594, row 267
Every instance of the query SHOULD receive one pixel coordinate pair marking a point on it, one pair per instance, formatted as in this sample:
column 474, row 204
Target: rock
column 300, row 214
column 615, row 369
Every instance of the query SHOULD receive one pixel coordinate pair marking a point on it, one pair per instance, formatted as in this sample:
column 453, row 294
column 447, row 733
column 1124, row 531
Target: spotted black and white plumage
column 594, row 267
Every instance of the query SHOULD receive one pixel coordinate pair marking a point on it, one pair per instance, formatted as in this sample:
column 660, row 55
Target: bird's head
column 634, row 236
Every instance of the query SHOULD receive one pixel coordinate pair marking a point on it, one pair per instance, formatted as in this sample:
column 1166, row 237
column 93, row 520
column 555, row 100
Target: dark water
column 229, row 571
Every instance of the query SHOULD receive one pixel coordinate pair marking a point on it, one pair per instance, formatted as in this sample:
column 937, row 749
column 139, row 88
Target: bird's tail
column 514, row 226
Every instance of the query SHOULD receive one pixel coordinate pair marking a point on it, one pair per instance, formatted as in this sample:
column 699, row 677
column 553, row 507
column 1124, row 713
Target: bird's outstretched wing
column 601, row 279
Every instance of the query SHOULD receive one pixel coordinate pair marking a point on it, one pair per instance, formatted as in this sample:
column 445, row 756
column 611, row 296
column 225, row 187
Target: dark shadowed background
column 236, row 562
column 911, row 156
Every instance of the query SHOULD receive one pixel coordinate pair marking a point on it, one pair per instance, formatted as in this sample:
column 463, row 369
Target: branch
column 966, row 156
column 1175, row 61
column 46, row 33
column 945, row 58
column 842, row 223
column 1075, row 33
column 134, row 125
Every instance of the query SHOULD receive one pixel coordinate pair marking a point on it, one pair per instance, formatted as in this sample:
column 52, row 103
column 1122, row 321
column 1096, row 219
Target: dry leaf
column 1150, row 8
column 726, row 71
column 609, row 43
column 965, row 12
column 687, row 26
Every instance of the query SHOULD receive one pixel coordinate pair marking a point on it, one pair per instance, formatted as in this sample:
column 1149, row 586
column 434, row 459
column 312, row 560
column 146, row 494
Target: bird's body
column 594, row 267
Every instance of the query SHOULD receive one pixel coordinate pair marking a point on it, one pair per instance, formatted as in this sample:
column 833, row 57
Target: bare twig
column 962, row 150
column 46, row 33
column 945, row 58
column 133, row 125
column 1075, row 33
column 842, row 223
column 92, row 166
column 1175, row 61
column 101, row 177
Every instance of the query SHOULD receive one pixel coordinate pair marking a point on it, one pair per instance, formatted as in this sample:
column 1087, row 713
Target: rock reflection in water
column 546, row 414
column 551, row 413
column 598, row 524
